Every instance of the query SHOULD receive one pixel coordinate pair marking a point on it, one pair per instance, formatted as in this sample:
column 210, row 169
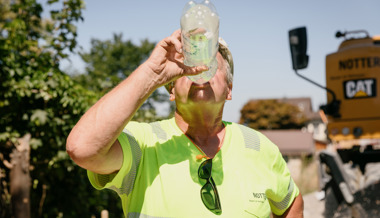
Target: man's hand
column 166, row 60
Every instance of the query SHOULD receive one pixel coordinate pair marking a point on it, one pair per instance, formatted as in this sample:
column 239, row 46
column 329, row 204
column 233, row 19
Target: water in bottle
column 200, row 33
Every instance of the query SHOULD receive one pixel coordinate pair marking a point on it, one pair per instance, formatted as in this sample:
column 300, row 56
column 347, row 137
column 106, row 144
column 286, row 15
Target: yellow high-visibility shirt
column 159, row 175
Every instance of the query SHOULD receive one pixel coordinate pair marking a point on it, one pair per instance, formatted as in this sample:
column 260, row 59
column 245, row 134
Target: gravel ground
column 366, row 204
column 367, row 201
column 313, row 208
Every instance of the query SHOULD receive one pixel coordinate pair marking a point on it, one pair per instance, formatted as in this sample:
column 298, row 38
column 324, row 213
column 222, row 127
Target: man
column 193, row 165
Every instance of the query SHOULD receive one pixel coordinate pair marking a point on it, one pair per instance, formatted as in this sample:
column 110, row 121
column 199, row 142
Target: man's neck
column 205, row 130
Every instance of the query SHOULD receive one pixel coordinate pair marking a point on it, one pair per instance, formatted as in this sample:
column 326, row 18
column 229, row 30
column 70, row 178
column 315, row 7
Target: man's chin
column 200, row 96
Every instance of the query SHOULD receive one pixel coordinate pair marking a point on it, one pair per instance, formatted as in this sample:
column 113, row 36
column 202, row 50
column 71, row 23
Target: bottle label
column 197, row 48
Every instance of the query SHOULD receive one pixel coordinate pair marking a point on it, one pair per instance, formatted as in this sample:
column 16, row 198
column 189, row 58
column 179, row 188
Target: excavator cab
column 350, row 167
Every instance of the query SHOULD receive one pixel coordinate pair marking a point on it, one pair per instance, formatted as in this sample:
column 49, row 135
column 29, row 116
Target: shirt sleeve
column 283, row 190
column 114, row 181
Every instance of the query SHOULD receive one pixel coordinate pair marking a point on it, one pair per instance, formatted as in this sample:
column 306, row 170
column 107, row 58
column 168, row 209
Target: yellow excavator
column 350, row 165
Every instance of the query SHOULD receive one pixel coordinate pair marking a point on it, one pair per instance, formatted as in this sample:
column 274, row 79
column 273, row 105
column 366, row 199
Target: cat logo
column 361, row 88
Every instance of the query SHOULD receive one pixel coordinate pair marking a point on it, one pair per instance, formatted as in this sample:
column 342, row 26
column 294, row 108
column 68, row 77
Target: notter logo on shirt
column 258, row 197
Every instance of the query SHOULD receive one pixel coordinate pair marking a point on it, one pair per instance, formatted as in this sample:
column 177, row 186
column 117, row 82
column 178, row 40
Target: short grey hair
column 227, row 56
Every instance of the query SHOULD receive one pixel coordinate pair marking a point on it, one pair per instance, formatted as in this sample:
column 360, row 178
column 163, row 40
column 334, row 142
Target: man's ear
column 229, row 93
column 171, row 93
column 171, row 97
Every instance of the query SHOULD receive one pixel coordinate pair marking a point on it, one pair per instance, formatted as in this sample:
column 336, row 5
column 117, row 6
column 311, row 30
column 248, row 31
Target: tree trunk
column 20, row 181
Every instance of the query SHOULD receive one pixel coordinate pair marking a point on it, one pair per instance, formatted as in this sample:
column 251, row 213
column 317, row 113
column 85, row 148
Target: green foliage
column 111, row 61
column 271, row 114
column 36, row 97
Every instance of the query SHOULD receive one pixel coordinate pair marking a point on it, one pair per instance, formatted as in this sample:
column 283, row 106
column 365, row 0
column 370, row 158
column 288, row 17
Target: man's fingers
column 172, row 40
column 177, row 40
column 177, row 33
column 195, row 70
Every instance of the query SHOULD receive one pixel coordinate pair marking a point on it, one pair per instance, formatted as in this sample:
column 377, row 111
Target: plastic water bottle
column 200, row 33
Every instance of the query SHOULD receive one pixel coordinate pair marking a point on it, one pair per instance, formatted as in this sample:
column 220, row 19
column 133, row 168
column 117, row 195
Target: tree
column 110, row 61
column 271, row 114
column 39, row 104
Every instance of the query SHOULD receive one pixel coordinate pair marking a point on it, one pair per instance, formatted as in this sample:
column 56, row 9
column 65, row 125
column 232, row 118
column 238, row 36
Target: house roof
column 304, row 105
column 291, row 142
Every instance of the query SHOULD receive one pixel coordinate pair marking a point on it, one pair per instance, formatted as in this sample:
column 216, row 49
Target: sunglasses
column 209, row 193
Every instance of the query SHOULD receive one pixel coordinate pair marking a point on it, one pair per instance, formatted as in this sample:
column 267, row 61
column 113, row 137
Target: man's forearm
column 100, row 126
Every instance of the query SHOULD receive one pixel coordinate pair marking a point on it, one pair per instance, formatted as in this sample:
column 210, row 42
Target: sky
column 256, row 32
